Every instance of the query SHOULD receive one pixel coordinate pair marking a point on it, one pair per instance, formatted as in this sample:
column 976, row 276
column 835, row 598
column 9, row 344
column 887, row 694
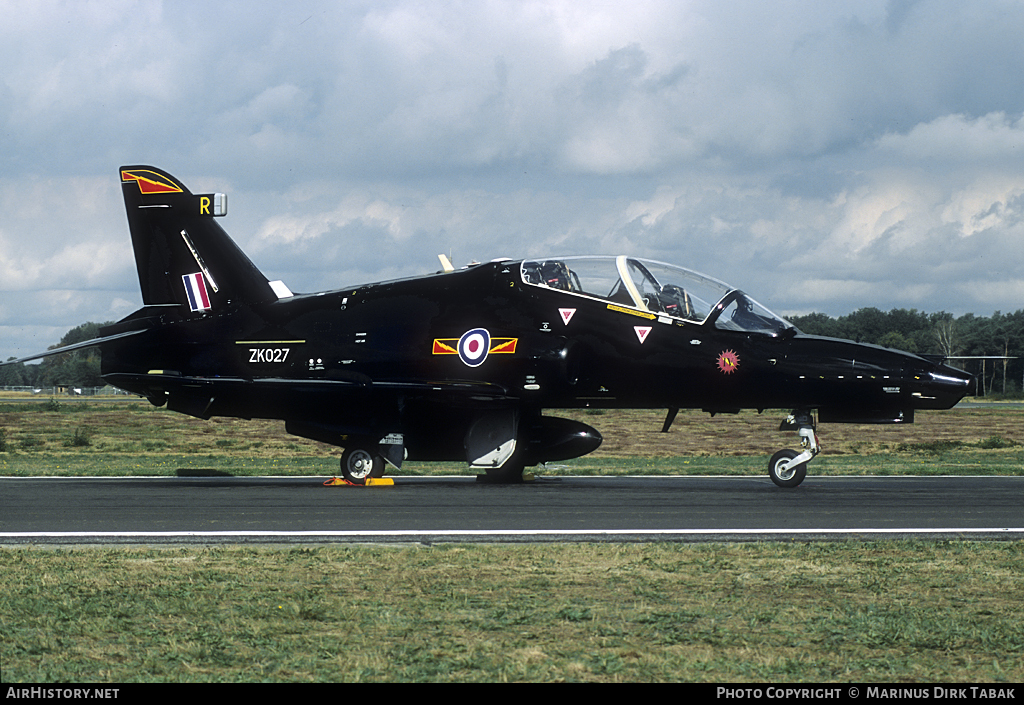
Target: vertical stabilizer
column 182, row 254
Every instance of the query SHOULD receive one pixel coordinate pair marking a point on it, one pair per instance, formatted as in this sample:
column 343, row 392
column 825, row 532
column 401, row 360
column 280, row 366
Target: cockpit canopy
column 657, row 288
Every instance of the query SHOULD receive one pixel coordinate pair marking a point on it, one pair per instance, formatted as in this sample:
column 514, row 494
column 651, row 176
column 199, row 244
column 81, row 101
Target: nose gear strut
column 787, row 468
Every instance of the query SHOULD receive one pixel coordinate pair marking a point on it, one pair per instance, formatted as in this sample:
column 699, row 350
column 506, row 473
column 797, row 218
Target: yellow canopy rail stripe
column 269, row 342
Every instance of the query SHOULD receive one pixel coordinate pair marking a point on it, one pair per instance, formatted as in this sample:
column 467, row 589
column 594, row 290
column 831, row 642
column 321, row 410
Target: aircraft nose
column 944, row 386
column 972, row 387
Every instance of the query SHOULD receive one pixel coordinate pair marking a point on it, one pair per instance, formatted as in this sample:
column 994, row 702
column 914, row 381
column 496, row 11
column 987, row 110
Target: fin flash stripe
column 149, row 181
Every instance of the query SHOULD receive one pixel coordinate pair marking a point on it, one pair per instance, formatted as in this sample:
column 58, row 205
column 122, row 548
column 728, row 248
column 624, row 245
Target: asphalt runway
column 443, row 509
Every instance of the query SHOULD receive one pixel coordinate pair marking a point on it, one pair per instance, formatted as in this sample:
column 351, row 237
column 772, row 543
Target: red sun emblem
column 728, row 362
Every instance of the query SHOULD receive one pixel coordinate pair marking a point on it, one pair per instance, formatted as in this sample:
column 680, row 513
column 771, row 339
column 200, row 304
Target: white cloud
column 850, row 153
column 994, row 138
column 1003, row 295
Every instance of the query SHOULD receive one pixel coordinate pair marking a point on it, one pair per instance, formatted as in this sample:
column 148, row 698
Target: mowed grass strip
column 133, row 438
column 823, row 612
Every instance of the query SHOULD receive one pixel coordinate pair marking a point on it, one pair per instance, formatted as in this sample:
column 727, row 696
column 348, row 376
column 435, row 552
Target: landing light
column 944, row 378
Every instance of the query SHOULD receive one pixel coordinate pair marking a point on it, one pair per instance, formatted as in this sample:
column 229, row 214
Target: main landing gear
column 359, row 463
column 787, row 468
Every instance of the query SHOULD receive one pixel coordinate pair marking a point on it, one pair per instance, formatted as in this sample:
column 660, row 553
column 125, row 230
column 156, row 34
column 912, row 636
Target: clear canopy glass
column 656, row 287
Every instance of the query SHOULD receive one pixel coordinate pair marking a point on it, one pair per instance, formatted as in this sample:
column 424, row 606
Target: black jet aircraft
column 460, row 365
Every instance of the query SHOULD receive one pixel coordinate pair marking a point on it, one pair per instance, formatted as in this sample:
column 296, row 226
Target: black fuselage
column 385, row 358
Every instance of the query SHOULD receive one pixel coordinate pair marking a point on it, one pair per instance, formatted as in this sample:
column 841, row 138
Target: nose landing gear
column 787, row 468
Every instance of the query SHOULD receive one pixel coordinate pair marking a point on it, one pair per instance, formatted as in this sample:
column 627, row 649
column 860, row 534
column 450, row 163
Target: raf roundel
column 474, row 346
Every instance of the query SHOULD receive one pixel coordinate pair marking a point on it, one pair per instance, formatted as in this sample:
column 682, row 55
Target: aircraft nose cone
column 972, row 387
column 943, row 387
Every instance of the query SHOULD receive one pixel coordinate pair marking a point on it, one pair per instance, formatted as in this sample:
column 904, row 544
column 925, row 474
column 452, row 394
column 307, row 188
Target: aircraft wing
column 173, row 381
column 196, row 396
column 77, row 346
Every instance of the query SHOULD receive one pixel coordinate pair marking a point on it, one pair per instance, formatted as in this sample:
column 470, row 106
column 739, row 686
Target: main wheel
column 358, row 464
column 790, row 477
column 509, row 473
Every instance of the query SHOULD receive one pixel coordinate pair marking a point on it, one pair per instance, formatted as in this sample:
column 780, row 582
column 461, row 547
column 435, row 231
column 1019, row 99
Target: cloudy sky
column 820, row 156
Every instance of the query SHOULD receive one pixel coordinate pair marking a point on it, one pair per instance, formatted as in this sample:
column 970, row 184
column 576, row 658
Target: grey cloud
column 821, row 156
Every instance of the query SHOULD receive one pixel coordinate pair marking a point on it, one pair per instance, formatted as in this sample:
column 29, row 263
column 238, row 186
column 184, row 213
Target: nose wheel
column 788, row 468
column 783, row 471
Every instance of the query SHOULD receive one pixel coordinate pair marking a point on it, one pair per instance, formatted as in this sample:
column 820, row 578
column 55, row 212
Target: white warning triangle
column 566, row 314
column 641, row 332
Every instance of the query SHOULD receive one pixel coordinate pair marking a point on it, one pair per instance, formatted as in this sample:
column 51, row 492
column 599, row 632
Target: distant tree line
column 910, row 330
column 78, row 368
column 998, row 335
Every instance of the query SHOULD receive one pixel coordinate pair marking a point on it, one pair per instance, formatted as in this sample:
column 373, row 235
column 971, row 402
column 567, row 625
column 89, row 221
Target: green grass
column 38, row 464
column 823, row 612
column 774, row 612
column 41, row 464
column 965, row 462
column 130, row 438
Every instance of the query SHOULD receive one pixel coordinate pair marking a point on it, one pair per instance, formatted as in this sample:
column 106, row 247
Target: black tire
column 359, row 464
column 790, row 478
column 508, row 474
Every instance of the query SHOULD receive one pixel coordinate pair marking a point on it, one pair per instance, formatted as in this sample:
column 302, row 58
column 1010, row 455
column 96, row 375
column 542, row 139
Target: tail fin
column 183, row 256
